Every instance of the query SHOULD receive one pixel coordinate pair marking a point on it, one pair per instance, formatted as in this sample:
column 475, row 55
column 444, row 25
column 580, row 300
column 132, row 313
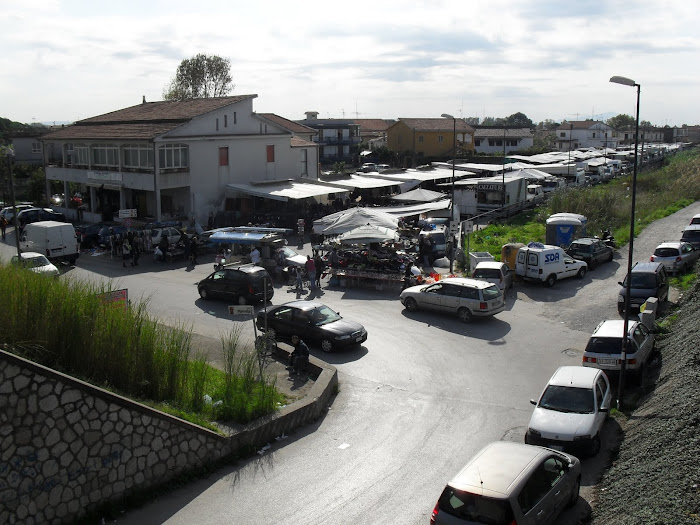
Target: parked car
column 494, row 272
column 467, row 298
column 695, row 219
column 288, row 257
column 571, row 410
column 173, row 234
column 107, row 231
column 677, row 257
column 9, row 212
column 37, row 263
column 604, row 348
column 591, row 250
column 691, row 234
column 30, row 215
column 242, row 284
column 89, row 234
column 313, row 322
column 648, row 280
column 55, row 239
column 509, row 483
column 547, row 263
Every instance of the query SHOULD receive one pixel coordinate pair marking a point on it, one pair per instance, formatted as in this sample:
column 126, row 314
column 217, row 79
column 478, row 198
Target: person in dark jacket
column 299, row 357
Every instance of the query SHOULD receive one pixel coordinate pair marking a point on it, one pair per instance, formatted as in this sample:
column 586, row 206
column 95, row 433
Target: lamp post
column 452, row 197
column 625, row 327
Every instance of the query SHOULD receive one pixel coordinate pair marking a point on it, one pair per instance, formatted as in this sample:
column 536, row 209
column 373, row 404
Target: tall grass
column 64, row 324
column 660, row 192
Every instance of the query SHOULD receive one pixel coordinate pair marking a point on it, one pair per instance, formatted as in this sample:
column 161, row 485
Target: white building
column 175, row 159
column 585, row 134
column 498, row 140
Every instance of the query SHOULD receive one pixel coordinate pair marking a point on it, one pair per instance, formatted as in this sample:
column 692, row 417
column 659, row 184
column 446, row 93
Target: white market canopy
column 416, row 209
column 286, row 190
column 419, row 195
column 346, row 220
column 357, row 181
column 367, row 234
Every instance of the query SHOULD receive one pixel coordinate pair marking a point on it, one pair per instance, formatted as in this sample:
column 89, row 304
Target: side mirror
column 533, row 402
column 618, row 282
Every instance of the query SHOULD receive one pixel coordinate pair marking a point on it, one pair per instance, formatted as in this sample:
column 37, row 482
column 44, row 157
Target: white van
column 57, row 240
column 546, row 263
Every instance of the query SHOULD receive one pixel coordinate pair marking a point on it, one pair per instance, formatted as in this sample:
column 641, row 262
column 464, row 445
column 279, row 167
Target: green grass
column 64, row 324
column 660, row 192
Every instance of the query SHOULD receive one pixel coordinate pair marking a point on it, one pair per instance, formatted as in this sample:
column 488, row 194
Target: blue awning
column 237, row 237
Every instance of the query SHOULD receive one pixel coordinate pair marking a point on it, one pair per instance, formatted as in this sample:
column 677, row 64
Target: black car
column 89, row 234
column 649, row 279
column 30, row 215
column 591, row 250
column 243, row 284
column 313, row 322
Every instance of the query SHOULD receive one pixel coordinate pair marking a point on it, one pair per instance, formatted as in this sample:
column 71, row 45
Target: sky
column 63, row 61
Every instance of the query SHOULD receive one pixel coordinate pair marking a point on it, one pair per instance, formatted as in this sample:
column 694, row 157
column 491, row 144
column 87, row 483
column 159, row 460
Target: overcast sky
column 550, row 59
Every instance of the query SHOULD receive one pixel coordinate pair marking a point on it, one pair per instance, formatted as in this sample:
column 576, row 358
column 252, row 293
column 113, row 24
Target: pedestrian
column 311, row 270
column 3, row 226
column 136, row 248
column 210, row 221
column 408, row 276
column 423, row 247
column 299, row 356
column 255, row 256
column 186, row 244
column 164, row 246
column 126, row 252
column 193, row 251
column 334, row 259
column 320, row 265
column 299, row 274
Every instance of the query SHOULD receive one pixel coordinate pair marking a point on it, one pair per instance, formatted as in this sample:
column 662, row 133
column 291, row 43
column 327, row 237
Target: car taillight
column 651, row 259
column 435, row 513
column 589, row 359
column 483, row 306
column 679, row 258
column 251, row 291
column 631, row 361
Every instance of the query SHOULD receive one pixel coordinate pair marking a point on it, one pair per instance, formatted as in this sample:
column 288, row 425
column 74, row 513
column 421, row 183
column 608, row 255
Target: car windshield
column 605, row 345
column 666, row 252
column 323, row 315
column 567, row 399
column 691, row 235
column 475, row 508
column 492, row 292
column 288, row 252
column 487, row 273
column 36, row 262
column 642, row 280
column 580, row 248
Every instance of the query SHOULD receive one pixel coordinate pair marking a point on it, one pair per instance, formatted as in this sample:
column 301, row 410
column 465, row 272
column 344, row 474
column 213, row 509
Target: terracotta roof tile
column 298, row 142
column 369, row 125
column 290, row 125
column 436, row 124
column 498, row 132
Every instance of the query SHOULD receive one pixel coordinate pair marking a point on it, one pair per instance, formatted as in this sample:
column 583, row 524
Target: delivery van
column 56, row 240
column 547, row 263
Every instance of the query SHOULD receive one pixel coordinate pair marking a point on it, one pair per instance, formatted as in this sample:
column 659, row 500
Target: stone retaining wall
column 67, row 447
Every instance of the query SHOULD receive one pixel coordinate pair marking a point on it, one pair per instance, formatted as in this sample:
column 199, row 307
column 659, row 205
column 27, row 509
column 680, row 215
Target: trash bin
column 477, row 257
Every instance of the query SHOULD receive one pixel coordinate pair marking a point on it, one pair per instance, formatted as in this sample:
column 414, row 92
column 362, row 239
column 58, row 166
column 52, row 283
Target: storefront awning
column 407, row 211
column 237, row 237
column 357, row 181
column 286, row 190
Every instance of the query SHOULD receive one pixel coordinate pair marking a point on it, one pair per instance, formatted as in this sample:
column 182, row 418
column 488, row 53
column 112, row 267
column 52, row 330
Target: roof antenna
column 144, row 99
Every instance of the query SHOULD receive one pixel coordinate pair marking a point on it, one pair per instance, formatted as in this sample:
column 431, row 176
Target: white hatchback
column 37, row 263
column 571, row 410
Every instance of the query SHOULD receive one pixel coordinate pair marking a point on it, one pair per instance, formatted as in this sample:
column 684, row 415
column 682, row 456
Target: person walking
column 126, row 252
column 136, row 248
column 299, row 357
column 255, row 256
column 299, row 274
column 210, row 221
column 3, row 226
column 320, row 265
column 193, row 251
column 311, row 270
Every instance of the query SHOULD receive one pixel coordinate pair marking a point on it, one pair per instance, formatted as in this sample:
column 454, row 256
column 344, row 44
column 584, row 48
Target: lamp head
column 623, row 80
column 447, row 115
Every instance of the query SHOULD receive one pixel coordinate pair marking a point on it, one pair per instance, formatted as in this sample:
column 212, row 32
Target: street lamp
column 625, row 327
column 452, row 198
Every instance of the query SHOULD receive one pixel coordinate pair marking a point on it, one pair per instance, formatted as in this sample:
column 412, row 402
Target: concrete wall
column 67, row 448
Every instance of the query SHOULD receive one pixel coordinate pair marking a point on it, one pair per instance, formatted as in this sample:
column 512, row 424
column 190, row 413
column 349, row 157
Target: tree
column 621, row 121
column 201, row 76
column 519, row 120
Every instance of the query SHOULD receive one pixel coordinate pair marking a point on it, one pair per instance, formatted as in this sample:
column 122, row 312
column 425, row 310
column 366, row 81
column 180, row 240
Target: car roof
column 670, row 244
column 247, row 268
column 647, row 267
column 585, row 240
column 613, row 328
column 30, row 255
column 465, row 281
column 692, row 228
column 574, row 376
column 304, row 305
column 494, row 470
column 489, row 264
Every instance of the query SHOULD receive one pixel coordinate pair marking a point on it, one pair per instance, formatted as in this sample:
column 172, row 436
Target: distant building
column 338, row 139
column 491, row 140
column 586, row 134
column 430, row 137
column 373, row 131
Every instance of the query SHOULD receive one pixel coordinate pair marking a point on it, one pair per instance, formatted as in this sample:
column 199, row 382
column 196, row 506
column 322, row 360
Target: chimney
column 144, row 99
column 311, row 115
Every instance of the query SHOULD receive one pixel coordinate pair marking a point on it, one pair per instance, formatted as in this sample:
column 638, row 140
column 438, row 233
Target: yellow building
column 430, row 137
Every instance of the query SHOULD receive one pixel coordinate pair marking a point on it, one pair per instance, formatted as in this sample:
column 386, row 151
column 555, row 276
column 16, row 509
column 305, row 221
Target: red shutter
column 270, row 154
column 223, row 156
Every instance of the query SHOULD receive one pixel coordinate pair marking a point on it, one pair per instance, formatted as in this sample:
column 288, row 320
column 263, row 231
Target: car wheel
column 549, row 282
column 326, row 345
column 581, row 273
column 204, row 293
column 411, row 304
column 574, row 493
column 595, row 446
column 610, row 257
column 242, row 300
column 464, row 315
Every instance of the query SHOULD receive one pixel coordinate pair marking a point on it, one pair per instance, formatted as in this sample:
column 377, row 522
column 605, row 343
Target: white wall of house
column 495, row 144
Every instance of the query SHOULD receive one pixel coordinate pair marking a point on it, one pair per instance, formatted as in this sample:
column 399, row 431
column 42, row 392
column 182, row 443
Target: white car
column 571, row 410
column 604, row 348
column 37, row 263
column 677, row 257
column 494, row 272
column 173, row 234
column 9, row 211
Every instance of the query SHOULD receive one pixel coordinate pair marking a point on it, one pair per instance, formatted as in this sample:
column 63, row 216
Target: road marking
column 344, row 446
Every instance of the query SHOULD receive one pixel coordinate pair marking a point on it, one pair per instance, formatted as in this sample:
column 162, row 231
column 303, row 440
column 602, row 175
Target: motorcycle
column 220, row 260
column 608, row 239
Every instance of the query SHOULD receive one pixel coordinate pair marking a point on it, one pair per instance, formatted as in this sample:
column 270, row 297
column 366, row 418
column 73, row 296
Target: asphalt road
column 421, row 396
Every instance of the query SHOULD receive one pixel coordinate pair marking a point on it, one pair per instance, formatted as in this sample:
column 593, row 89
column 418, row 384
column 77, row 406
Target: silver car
column 467, row 298
column 494, row 272
column 677, row 257
column 510, row 483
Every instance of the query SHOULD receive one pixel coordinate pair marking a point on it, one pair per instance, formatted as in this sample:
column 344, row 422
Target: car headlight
column 343, row 337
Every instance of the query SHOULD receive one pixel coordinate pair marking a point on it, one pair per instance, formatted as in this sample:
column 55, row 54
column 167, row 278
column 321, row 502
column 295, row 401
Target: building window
column 81, row 154
column 36, row 147
column 217, row 124
column 477, row 142
column 562, row 134
column 226, row 121
column 234, row 117
column 271, row 154
column 105, row 155
column 266, row 129
column 223, row 156
column 173, row 156
column 441, row 139
column 304, row 162
column 138, row 156
column 420, row 138
column 594, row 134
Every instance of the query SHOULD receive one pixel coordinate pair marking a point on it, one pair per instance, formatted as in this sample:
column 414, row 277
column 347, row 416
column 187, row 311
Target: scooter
column 220, row 260
column 608, row 239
